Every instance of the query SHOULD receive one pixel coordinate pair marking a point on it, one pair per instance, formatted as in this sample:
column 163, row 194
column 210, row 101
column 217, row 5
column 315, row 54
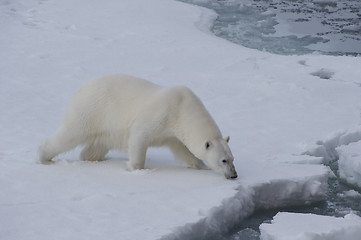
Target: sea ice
column 270, row 105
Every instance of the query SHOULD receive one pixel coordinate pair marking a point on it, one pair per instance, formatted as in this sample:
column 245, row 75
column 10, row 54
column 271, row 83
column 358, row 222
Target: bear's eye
column 208, row 144
column 224, row 161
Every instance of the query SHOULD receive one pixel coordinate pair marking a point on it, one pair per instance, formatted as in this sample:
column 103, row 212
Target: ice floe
column 295, row 226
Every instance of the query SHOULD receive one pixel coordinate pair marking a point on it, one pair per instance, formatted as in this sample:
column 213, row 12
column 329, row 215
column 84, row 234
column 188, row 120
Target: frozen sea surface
column 291, row 26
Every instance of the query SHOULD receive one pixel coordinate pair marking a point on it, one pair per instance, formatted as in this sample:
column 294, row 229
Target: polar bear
column 127, row 113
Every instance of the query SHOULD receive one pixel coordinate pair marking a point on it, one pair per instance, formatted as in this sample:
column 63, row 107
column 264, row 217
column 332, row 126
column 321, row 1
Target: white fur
column 127, row 113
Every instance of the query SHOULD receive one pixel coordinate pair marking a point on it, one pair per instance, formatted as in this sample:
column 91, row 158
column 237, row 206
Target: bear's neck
column 195, row 125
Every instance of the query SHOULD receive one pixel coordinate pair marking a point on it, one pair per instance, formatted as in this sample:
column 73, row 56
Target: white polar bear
column 128, row 113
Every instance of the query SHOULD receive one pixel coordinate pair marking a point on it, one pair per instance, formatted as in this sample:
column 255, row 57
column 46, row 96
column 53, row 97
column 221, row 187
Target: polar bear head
column 218, row 156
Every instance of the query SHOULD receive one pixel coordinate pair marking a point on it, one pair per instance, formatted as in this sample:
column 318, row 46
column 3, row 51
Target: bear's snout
column 233, row 175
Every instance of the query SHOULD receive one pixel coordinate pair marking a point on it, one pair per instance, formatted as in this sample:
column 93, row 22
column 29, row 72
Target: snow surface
column 295, row 226
column 274, row 107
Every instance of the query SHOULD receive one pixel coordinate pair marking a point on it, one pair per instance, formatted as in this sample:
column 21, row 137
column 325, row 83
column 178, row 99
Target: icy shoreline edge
column 274, row 194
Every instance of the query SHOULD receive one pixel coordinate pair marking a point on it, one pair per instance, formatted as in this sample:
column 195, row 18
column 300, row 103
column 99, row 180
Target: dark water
column 289, row 27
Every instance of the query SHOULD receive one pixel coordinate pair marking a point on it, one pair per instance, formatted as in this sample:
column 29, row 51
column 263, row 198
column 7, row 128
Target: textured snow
column 274, row 108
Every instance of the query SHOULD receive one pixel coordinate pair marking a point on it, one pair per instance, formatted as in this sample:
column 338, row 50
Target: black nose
column 232, row 176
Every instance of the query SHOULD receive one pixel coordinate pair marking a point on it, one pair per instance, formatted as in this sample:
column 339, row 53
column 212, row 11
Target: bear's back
column 120, row 85
column 114, row 89
column 109, row 100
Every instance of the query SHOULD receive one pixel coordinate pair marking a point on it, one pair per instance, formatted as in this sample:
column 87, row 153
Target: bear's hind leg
column 93, row 152
column 60, row 142
column 181, row 152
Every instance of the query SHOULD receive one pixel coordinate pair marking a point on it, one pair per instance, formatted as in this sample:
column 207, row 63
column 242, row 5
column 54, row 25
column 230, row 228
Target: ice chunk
column 352, row 29
column 350, row 194
column 325, row 2
column 350, row 163
column 268, row 13
column 296, row 226
column 323, row 73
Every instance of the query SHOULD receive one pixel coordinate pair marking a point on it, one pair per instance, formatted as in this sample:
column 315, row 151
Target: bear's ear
column 208, row 144
column 227, row 139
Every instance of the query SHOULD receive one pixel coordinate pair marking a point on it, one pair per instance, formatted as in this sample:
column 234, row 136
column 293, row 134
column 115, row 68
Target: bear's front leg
column 181, row 152
column 198, row 164
column 137, row 151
